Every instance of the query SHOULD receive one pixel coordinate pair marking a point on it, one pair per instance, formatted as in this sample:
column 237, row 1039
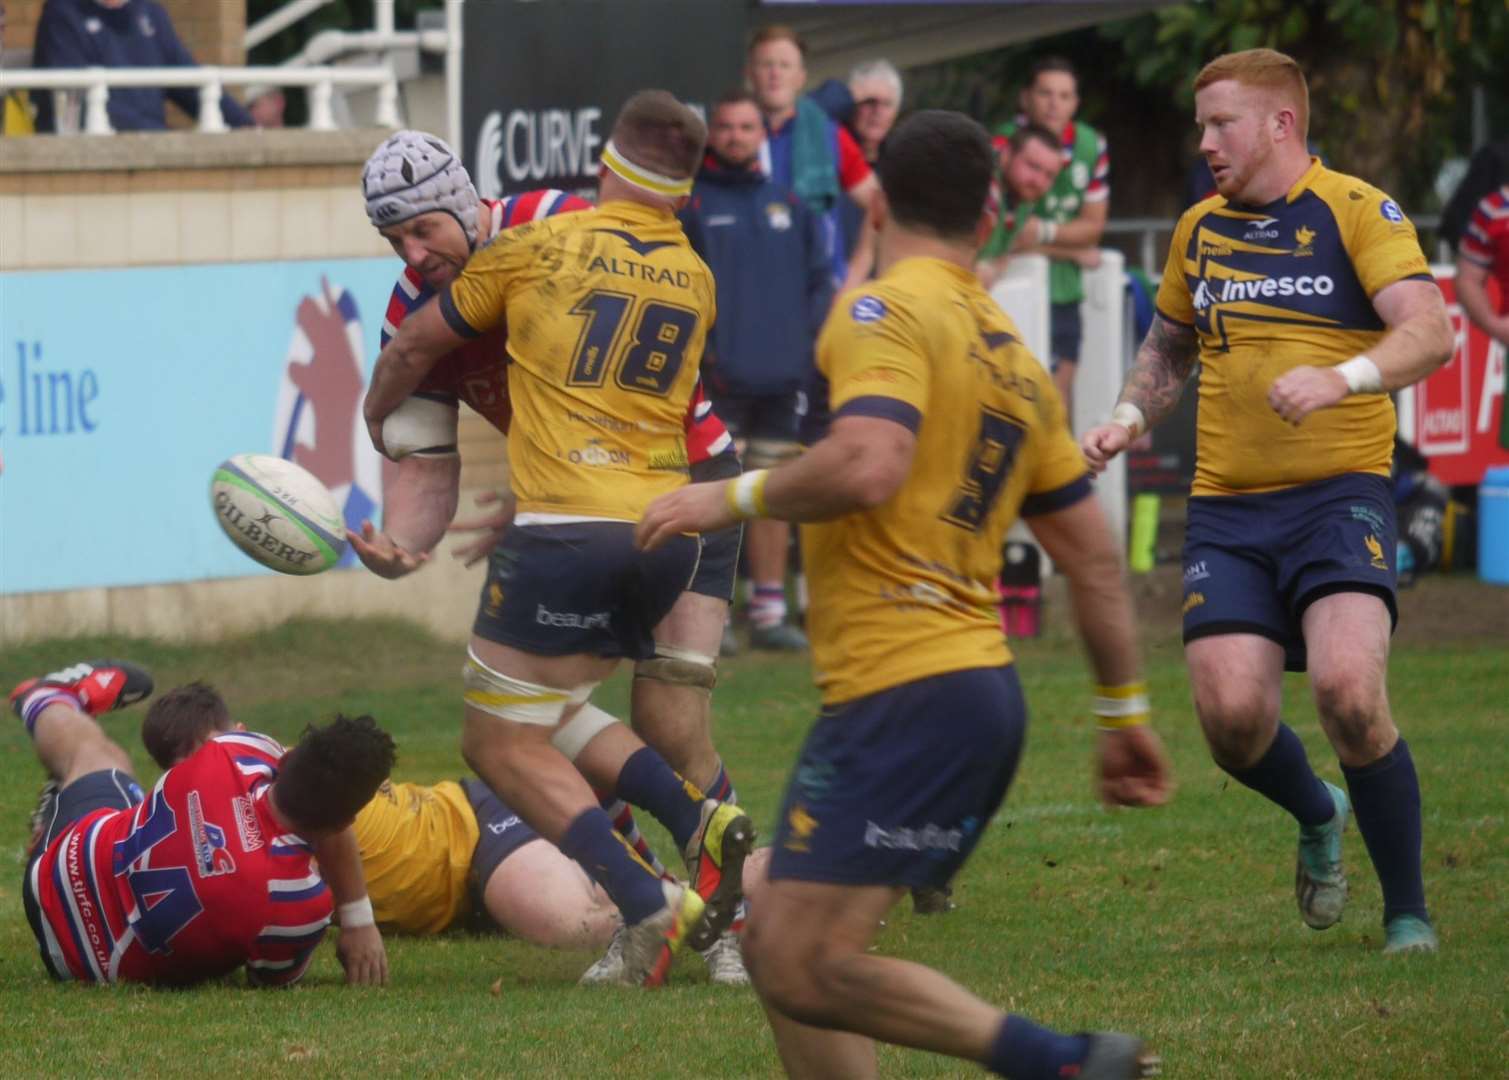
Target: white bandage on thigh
column 503, row 696
column 680, row 667
column 572, row 737
column 421, row 426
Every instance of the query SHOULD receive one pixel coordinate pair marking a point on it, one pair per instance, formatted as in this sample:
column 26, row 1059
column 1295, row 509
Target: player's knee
column 805, row 981
column 1237, row 719
column 673, row 666
column 1352, row 705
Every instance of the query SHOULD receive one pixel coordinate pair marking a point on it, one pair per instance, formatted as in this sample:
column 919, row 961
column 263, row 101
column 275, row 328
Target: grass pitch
column 1178, row 924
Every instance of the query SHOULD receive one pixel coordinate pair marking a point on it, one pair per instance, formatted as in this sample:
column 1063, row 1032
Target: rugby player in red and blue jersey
column 215, row 869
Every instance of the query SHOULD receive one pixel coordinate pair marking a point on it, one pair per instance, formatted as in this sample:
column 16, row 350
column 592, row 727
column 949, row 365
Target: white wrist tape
column 1047, row 231
column 1362, row 375
column 1130, row 417
column 357, row 913
column 421, row 426
column 746, row 494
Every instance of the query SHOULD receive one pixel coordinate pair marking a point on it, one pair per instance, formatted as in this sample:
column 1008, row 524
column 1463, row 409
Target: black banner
column 542, row 82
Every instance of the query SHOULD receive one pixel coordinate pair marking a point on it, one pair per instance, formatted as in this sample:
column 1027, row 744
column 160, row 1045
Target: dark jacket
column 767, row 253
column 83, row 33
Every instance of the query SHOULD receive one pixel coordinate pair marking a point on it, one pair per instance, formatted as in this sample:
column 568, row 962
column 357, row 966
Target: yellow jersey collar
column 635, row 213
column 1304, row 182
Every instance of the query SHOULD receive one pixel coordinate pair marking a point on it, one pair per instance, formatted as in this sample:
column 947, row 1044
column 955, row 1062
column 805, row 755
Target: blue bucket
column 1493, row 526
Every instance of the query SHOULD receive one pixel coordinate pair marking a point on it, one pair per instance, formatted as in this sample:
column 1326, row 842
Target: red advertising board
column 1453, row 416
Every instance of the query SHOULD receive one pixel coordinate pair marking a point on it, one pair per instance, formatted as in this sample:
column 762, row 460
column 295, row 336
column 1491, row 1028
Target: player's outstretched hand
column 381, row 555
column 361, row 952
column 1300, row 391
column 696, row 508
column 489, row 528
column 1103, row 442
column 1133, row 768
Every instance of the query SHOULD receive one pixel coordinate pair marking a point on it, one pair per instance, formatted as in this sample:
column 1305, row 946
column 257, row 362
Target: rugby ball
column 278, row 513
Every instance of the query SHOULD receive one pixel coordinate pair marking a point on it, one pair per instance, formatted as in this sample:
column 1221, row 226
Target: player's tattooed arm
column 1164, row 362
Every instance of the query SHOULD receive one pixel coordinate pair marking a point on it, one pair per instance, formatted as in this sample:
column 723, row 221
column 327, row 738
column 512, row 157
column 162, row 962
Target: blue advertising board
column 121, row 390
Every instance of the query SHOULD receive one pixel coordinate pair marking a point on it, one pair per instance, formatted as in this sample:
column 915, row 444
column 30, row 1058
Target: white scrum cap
column 413, row 173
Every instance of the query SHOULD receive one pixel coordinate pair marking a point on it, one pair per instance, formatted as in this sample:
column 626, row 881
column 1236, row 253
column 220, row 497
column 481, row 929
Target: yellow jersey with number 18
column 607, row 314
column 907, row 590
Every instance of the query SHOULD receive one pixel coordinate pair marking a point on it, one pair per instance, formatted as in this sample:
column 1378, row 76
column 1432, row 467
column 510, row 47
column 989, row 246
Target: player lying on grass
column 437, row 856
column 216, row 869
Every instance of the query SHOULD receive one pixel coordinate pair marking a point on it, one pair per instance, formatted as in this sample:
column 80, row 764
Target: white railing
column 211, row 81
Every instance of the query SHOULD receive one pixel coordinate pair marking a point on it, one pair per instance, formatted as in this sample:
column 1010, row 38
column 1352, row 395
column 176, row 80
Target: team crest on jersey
column 247, row 829
column 1391, row 212
column 211, row 854
column 868, row 309
column 779, row 216
column 1304, row 239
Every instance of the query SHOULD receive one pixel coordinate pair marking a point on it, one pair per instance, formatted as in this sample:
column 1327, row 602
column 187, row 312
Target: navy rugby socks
column 611, row 862
column 648, row 782
column 1283, row 775
column 1027, row 1051
column 1386, row 803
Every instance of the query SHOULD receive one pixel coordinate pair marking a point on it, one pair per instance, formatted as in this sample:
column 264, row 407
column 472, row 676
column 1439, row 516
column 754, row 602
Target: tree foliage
column 1389, row 79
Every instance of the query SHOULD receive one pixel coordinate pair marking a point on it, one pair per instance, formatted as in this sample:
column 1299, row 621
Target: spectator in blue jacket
column 119, row 33
column 769, row 255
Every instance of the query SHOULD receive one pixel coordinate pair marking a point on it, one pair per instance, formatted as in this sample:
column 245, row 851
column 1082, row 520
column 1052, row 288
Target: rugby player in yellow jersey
column 437, row 856
column 944, row 429
column 1305, row 298
column 607, row 313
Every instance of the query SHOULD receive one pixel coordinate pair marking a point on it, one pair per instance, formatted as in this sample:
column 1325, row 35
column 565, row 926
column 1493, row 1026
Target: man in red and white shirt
column 423, row 203
column 1484, row 255
column 215, row 869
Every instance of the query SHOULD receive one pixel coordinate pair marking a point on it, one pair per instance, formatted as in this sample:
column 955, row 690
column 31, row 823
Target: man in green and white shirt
column 1074, row 210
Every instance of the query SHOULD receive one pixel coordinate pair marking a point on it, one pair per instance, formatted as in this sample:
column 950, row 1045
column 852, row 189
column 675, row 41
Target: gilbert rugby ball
column 278, row 513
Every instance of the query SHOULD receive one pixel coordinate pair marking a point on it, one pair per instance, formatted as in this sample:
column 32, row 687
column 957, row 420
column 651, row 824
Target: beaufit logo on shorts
column 928, row 838
column 570, row 620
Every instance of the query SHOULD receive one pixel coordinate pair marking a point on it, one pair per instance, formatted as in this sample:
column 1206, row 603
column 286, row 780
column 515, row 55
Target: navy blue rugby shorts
column 896, row 788
column 1254, row 563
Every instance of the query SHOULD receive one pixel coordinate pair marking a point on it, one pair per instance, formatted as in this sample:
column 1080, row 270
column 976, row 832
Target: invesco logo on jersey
column 1231, row 291
column 535, row 145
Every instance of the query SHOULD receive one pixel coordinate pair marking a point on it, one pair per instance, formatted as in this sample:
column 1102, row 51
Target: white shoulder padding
column 421, row 426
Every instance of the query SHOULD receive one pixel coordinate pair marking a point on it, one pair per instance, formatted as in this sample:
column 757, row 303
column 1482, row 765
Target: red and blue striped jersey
column 1486, row 241
column 190, row 884
column 477, row 371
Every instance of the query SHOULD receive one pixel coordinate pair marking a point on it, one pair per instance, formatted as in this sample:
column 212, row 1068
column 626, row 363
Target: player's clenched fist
column 1300, row 391
column 1103, row 442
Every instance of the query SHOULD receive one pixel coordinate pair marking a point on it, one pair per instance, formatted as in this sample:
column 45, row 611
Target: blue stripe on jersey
column 289, row 849
column 454, row 319
column 302, row 894
column 883, row 408
column 1046, row 502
